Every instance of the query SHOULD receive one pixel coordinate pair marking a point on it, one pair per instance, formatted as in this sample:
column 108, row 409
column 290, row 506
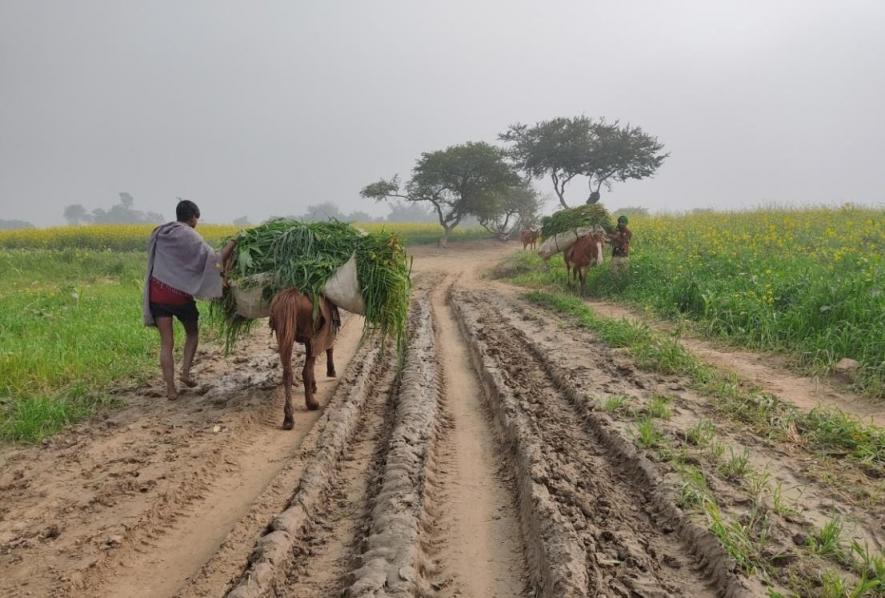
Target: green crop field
column 808, row 282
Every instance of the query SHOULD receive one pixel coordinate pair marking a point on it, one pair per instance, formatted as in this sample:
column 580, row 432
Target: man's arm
column 228, row 249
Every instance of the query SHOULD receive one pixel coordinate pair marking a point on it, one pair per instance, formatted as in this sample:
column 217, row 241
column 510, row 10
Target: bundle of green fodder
column 561, row 230
column 290, row 254
column 587, row 216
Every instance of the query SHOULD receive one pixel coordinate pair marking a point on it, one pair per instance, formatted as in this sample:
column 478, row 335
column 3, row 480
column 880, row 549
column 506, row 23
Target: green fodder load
column 290, row 254
column 575, row 218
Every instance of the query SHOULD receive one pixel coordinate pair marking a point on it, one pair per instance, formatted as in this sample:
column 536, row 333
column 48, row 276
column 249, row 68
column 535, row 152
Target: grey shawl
column 179, row 257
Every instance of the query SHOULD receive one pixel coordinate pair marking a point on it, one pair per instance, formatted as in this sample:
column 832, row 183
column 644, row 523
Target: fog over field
column 260, row 109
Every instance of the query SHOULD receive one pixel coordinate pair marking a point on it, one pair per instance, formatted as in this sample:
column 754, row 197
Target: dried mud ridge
column 594, row 515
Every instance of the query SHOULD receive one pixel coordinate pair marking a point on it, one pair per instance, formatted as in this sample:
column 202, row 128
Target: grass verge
column 826, row 431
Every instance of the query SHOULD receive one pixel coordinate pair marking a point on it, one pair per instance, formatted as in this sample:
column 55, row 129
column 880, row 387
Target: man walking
column 181, row 266
column 620, row 240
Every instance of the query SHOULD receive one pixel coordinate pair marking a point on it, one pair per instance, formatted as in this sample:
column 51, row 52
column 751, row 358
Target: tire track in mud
column 275, row 550
column 140, row 497
column 593, row 527
column 357, row 520
column 393, row 561
column 477, row 541
column 241, row 490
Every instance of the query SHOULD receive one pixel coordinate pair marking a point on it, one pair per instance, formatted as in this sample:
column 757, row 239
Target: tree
column 242, row 221
column 322, row 211
column 510, row 210
column 620, row 153
column 123, row 213
column 14, row 224
column 358, row 216
column 564, row 148
column 556, row 147
column 76, row 213
column 410, row 212
column 456, row 181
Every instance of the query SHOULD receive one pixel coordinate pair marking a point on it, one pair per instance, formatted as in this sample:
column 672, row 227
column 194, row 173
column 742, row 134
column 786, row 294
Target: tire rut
column 597, row 534
column 476, row 535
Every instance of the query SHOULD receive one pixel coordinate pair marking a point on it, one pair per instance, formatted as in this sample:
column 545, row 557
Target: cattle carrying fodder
column 573, row 218
column 560, row 231
column 290, row 254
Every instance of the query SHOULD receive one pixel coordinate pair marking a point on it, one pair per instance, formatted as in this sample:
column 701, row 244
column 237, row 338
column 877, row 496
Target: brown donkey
column 584, row 254
column 292, row 320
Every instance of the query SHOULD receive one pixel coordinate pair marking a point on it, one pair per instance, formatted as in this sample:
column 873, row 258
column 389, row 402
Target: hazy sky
column 260, row 108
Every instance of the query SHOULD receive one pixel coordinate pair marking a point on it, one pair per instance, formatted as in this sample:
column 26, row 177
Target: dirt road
column 482, row 466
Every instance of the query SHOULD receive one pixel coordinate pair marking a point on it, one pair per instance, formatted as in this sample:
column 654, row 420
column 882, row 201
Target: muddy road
column 480, row 466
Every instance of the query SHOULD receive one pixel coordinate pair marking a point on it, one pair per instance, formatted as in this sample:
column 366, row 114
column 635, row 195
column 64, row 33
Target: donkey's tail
column 284, row 316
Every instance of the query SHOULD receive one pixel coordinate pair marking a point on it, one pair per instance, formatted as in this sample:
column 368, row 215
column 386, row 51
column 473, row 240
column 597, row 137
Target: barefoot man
column 181, row 266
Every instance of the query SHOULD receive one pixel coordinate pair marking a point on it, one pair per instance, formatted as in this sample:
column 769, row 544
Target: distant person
column 181, row 266
column 620, row 240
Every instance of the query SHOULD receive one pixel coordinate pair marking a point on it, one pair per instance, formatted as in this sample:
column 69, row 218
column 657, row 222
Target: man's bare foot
column 171, row 393
column 187, row 380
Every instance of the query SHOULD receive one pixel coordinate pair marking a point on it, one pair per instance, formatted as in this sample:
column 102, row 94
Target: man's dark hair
column 185, row 210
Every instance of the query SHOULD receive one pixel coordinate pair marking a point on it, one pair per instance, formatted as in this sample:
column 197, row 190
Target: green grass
column 826, row 541
column 702, row 433
column 615, row 404
column 659, row 407
column 647, row 434
column 70, row 326
column 806, row 282
column 827, row 431
column 736, row 467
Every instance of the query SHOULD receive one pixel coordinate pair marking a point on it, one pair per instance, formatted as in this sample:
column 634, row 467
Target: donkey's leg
column 310, row 385
column 286, row 359
column 330, row 363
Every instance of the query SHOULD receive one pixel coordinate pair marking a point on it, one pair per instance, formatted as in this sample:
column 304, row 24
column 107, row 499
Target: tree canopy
column 120, row 213
column 457, row 181
column 564, row 148
column 510, row 210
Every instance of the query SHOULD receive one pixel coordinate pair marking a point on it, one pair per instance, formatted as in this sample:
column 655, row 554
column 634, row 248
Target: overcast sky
column 260, row 108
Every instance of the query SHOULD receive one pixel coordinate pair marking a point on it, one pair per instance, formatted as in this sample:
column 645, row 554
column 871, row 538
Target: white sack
column 248, row 293
column 343, row 289
column 562, row 241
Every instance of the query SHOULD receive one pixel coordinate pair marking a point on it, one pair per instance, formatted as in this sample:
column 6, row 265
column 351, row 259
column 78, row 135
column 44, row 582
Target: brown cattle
column 529, row 238
column 585, row 253
column 292, row 320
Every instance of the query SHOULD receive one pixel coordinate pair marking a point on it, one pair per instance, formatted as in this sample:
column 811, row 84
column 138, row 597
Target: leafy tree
column 123, row 213
column 456, row 181
column 564, row 148
column 620, row 153
column 241, row 221
column 76, row 213
column 410, row 212
column 359, row 216
column 510, row 210
column 322, row 211
column 556, row 147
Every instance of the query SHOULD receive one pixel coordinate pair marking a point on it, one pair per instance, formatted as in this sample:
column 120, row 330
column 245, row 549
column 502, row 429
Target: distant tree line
column 120, row 213
column 13, row 224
